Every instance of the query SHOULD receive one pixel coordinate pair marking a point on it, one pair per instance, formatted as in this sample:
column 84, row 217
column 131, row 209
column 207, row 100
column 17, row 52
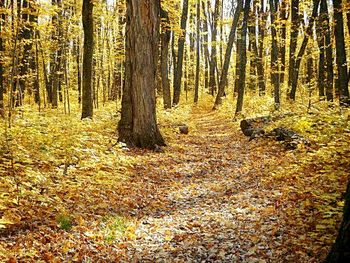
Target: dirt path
column 210, row 197
column 208, row 201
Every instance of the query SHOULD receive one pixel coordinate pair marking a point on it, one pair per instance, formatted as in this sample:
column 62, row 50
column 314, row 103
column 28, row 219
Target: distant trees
column 138, row 124
column 202, row 48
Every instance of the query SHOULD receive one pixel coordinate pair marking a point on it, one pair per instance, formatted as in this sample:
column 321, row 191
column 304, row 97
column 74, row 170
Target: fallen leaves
column 210, row 197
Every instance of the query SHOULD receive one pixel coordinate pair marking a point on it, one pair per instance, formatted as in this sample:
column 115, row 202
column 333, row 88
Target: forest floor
column 212, row 196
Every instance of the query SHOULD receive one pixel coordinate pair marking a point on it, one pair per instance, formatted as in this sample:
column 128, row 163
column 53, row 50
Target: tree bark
column 213, row 61
column 325, row 69
column 226, row 65
column 283, row 19
column 275, row 75
column 340, row 251
column 2, row 51
column 87, row 102
column 243, row 59
column 295, row 70
column 295, row 23
column 180, row 56
column 138, row 125
column 205, row 47
column 342, row 78
column 260, row 58
column 165, row 40
column 196, row 87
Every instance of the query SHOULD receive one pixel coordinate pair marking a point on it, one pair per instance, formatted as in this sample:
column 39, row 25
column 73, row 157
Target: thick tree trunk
column 87, row 16
column 196, row 87
column 243, row 58
column 231, row 39
column 165, row 40
column 275, row 75
column 340, row 252
column 342, row 78
column 181, row 48
column 138, row 125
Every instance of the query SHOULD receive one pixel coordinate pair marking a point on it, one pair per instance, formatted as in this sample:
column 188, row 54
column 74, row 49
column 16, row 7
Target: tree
column 342, row 78
column 2, row 50
column 340, row 251
column 196, row 88
column 24, row 79
column 283, row 32
column 231, row 39
column 325, row 69
column 180, row 54
column 165, row 40
column 261, row 38
column 243, row 58
column 56, row 56
column 213, row 61
column 138, row 125
column 275, row 75
column 87, row 103
column 296, row 66
column 295, row 22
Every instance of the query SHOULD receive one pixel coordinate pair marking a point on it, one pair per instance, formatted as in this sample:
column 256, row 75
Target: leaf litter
column 211, row 197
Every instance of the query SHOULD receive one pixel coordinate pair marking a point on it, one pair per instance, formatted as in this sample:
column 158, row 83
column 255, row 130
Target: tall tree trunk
column 196, row 86
column 325, row 69
column 243, row 59
column 26, row 33
column 138, row 125
column 88, row 26
column 226, row 65
column 55, row 59
column 165, row 40
column 342, row 78
column 205, row 47
column 261, row 37
column 34, row 61
column 283, row 19
column 295, row 23
column 213, row 61
column 2, row 51
column 181, row 47
column 295, row 70
column 340, row 252
column 275, row 75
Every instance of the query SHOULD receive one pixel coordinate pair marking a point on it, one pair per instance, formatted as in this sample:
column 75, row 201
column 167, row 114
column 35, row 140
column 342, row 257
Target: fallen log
column 254, row 128
column 290, row 138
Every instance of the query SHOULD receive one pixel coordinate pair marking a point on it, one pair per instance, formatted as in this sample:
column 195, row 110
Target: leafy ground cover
column 70, row 192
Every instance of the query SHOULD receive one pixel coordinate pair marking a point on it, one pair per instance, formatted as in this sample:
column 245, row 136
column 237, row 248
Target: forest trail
column 207, row 202
column 212, row 196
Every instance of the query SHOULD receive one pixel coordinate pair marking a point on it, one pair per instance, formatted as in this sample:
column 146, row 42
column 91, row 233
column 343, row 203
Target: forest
column 174, row 131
